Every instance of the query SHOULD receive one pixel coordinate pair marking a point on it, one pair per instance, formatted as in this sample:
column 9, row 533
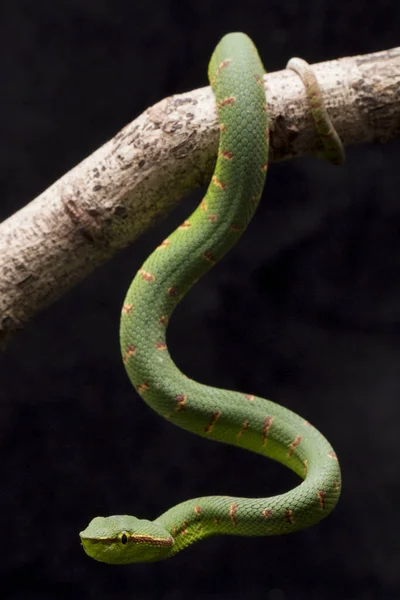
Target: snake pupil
column 124, row 538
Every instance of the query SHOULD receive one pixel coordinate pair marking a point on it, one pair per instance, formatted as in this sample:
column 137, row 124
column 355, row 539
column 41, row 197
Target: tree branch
column 118, row 192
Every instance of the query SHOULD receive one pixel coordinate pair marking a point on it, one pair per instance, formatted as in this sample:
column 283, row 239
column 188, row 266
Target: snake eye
column 124, row 537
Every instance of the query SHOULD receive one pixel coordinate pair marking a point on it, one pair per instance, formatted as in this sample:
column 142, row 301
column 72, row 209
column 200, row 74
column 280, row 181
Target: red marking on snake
column 185, row 225
column 321, row 497
column 232, row 512
column 222, row 128
column 163, row 320
column 266, row 428
column 218, row 70
column 265, row 108
column 236, row 228
column 220, row 184
column 208, row 255
column 142, row 387
column 293, row 445
column 146, row 276
column 267, row 513
column 212, row 218
column 333, row 455
column 181, row 400
column 203, row 206
column 305, row 463
column 259, row 79
column 161, row 346
column 307, row 423
column 289, row 516
column 184, row 527
column 243, row 428
column 226, row 102
column 223, row 64
column 214, row 418
column 197, row 509
column 249, row 397
column 226, row 154
column 174, row 530
column 131, row 349
column 264, row 167
column 127, row 308
column 172, row 291
column 163, row 244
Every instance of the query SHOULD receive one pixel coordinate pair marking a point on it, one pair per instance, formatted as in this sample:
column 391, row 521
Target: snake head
column 122, row 539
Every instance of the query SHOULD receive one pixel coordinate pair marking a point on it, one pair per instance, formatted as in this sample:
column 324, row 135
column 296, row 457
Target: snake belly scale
column 256, row 424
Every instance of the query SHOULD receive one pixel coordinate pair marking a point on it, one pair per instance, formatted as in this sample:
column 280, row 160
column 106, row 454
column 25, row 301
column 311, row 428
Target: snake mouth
column 131, row 539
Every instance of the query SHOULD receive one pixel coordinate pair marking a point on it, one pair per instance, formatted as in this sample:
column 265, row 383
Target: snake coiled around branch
column 238, row 418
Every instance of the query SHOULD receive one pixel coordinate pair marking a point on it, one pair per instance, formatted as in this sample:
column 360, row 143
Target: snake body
column 256, row 424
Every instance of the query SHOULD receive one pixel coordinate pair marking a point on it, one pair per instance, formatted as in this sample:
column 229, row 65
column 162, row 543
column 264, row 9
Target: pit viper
column 242, row 419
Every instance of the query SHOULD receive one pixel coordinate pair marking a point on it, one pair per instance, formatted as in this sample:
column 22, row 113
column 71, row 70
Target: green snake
column 244, row 420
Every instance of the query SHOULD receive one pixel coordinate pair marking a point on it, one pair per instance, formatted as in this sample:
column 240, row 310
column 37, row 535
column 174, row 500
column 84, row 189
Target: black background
column 305, row 310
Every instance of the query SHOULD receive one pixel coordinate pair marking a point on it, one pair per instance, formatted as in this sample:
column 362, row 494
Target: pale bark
column 118, row 192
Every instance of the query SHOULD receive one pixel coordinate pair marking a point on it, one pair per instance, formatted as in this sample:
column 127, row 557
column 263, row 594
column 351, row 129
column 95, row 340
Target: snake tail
column 236, row 76
column 332, row 147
